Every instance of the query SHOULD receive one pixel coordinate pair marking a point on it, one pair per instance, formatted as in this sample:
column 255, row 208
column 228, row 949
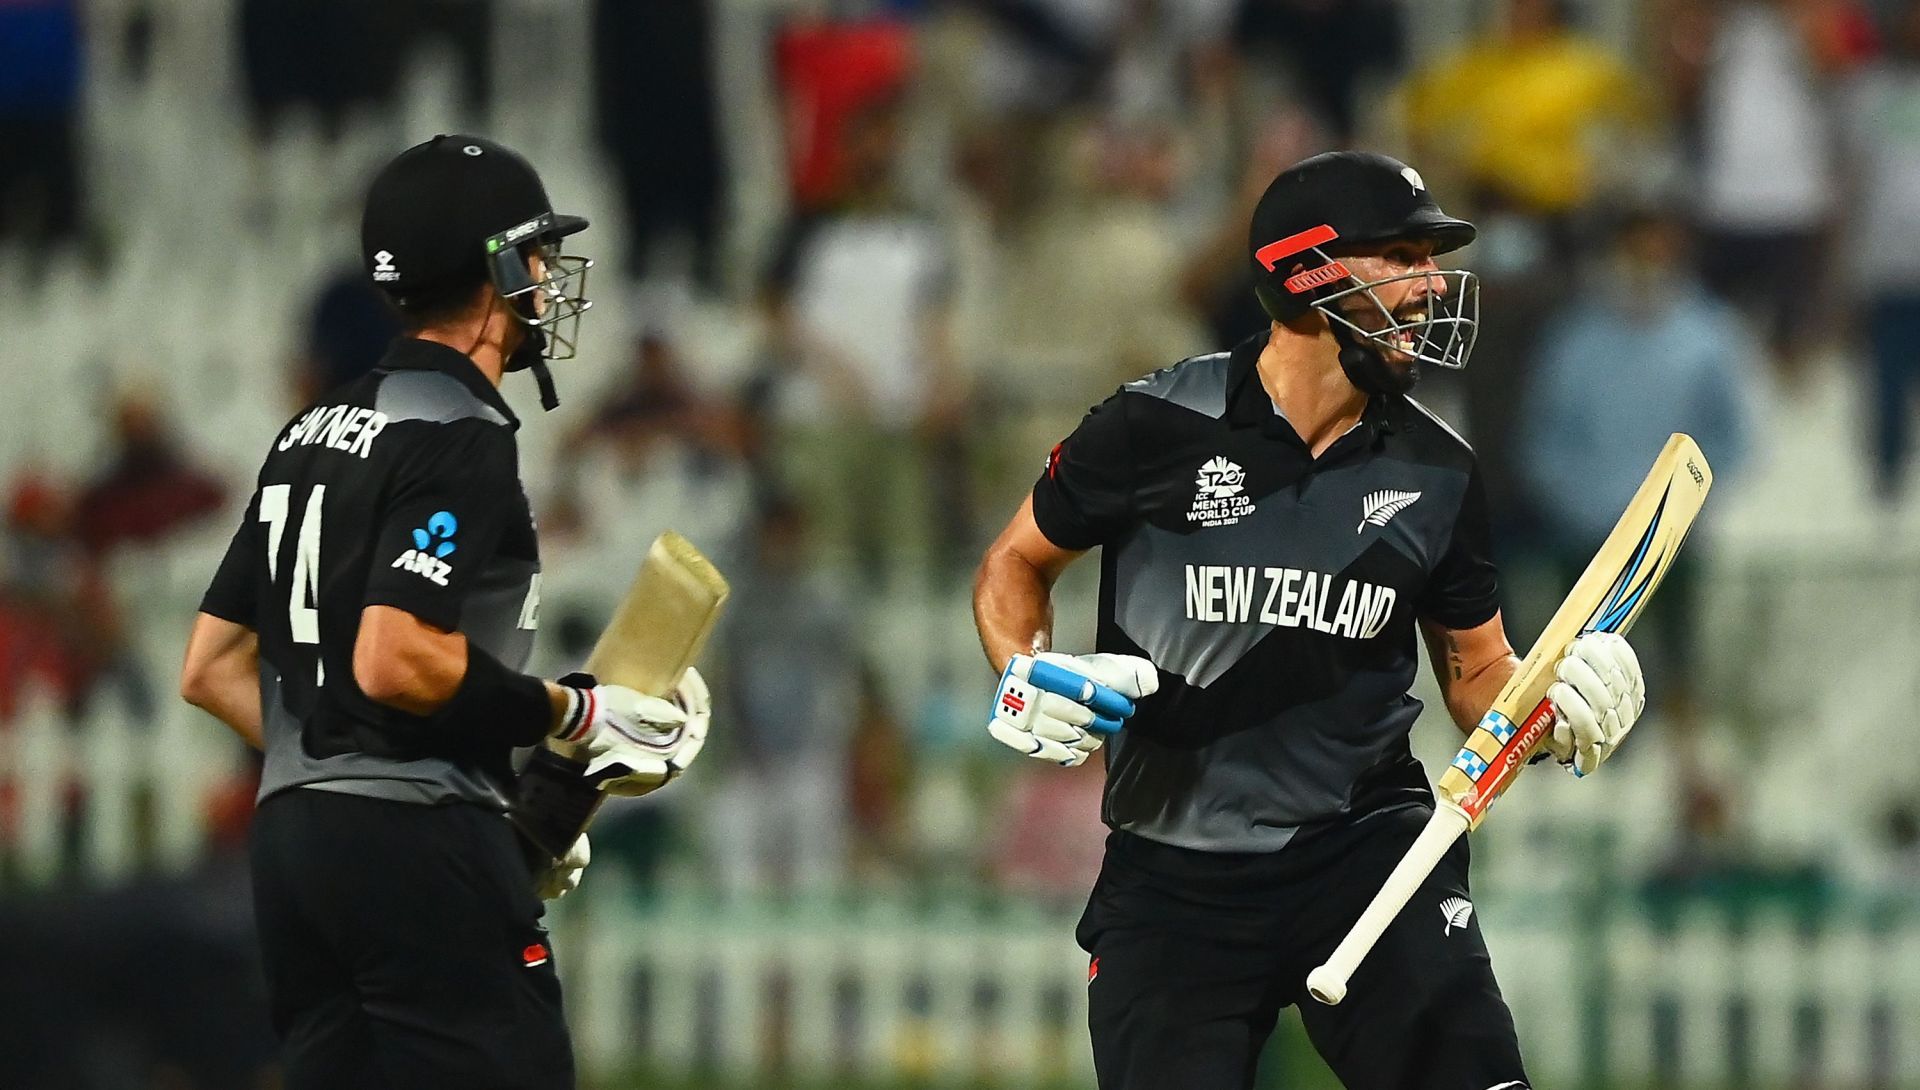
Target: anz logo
column 432, row 544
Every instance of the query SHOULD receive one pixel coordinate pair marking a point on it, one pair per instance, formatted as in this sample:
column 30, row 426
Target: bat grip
column 554, row 803
column 1328, row 983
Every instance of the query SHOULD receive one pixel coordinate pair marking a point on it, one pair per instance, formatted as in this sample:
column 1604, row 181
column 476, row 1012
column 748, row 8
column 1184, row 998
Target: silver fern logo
column 1379, row 507
column 1457, row 910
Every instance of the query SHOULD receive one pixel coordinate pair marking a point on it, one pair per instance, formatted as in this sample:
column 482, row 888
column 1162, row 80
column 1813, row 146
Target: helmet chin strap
column 1367, row 368
column 532, row 356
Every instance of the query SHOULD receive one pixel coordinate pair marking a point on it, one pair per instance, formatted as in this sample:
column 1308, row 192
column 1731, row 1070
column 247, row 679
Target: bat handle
column 1328, row 983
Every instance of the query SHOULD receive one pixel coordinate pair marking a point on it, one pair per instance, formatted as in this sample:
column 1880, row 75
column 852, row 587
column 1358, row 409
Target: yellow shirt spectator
column 1524, row 115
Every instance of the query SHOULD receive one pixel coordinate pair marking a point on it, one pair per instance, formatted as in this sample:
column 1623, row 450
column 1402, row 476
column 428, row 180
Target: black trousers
column 1195, row 953
column 403, row 947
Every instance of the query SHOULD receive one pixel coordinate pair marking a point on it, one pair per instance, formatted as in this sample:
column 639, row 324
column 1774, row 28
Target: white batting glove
column 644, row 740
column 694, row 699
column 1058, row 707
column 1599, row 695
column 564, row 876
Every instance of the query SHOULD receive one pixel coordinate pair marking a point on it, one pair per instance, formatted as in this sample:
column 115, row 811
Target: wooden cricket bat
column 656, row 632
column 1607, row 598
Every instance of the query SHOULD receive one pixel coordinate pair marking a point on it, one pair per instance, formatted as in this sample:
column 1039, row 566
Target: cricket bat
column 656, row 632
column 1607, row 598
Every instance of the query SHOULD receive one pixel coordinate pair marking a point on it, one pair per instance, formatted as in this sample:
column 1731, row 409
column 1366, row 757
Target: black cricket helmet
column 459, row 211
column 1336, row 202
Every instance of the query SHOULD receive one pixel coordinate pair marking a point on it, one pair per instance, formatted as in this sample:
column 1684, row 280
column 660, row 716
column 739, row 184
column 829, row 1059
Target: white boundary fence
column 871, row 986
column 103, row 799
column 969, row 991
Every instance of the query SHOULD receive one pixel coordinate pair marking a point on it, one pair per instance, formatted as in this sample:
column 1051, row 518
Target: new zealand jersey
column 1276, row 592
column 401, row 488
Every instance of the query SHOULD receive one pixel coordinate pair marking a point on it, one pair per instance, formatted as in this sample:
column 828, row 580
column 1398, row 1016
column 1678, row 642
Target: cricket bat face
column 658, row 629
column 1608, row 598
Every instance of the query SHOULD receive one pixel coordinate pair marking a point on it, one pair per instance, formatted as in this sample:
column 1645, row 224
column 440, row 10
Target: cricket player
column 1276, row 522
column 367, row 629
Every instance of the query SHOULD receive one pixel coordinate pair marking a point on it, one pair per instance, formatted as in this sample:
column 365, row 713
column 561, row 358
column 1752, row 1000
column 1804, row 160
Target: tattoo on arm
column 1454, row 659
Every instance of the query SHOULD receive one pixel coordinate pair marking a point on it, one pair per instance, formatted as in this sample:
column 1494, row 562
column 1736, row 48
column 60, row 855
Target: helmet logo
column 471, row 149
column 383, row 269
column 1413, row 178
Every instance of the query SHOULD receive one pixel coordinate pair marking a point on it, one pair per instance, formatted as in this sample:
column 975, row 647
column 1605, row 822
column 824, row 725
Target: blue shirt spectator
column 1645, row 354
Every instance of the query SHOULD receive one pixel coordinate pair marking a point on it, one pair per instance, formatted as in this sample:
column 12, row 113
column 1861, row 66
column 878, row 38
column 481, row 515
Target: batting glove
column 563, row 877
column 1058, row 707
column 1599, row 695
column 694, row 699
column 640, row 742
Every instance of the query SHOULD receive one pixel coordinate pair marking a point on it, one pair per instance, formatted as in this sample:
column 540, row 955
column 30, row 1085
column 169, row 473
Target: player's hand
column 624, row 731
column 563, row 877
column 1599, row 695
column 696, row 702
column 1059, row 707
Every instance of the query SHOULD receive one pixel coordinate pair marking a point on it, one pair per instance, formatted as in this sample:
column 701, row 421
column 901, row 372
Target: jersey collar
column 1249, row 406
column 414, row 354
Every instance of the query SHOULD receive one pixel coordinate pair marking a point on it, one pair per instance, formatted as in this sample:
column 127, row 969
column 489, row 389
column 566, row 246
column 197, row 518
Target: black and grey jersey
column 401, row 488
column 1276, row 592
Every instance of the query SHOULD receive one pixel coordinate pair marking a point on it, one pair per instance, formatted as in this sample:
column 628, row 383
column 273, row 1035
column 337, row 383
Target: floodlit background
column 859, row 265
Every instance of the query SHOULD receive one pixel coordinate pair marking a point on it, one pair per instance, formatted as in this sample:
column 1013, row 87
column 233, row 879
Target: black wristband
column 494, row 703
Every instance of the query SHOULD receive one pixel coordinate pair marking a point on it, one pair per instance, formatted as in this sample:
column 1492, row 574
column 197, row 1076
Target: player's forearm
column 1012, row 607
column 221, row 675
column 1469, row 698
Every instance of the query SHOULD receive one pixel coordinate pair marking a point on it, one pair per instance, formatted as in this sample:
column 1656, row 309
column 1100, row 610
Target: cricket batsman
column 1276, row 522
column 367, row 629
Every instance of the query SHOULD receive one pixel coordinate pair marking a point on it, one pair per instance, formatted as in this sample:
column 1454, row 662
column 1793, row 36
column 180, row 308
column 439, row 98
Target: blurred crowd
column 985, row 215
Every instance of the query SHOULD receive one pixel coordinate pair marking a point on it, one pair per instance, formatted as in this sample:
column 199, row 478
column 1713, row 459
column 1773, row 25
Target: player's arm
column 407, row 654
column 222, row 669
column 1053, row 706
column 222, row 674
column 404, row 662
column 1472, row 665
column 1013, row 590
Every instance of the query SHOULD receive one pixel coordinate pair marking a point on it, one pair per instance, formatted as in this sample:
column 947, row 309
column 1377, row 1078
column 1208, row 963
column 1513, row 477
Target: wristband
column 582, row 705
column 498, row 704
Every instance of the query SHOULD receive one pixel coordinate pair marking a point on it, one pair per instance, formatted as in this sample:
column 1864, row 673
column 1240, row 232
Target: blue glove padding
column 1058, row 707
column 1109, row 706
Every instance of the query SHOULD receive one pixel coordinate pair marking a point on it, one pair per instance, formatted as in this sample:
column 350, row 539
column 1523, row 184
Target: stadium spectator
column 656, row 406
column 1516, row 260
column 1644, row 353
column 1534, row 114
column 1082, row 297
column 793, row 692
column 837, row 82
column 1766, row 170
column 657, row 119
column 49, row 601
column 1217, row 283
column 860, row 298
column 1328, row 50
column 1883, row 251
column 149, row 488
column 348, row 331
column 655, row 452
column 41, row 187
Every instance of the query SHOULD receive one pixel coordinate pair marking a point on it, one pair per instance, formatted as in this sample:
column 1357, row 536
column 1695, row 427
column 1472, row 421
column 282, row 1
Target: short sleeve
column 446, row 510
column 1085, row 497
column 234, row 594
column 1464, row 589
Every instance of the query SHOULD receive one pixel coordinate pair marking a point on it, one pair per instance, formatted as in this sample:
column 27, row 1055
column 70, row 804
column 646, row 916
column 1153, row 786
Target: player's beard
column 1367, row 367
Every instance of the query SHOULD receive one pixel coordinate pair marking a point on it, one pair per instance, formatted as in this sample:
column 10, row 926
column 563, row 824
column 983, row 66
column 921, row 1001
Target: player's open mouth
column 1408, row 335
